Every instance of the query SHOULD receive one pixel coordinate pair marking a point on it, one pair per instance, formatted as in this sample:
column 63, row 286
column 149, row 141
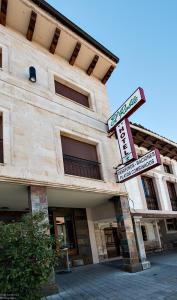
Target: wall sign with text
column 143, row 164
column 118, row 122
column 125, row 141
column 127, row 108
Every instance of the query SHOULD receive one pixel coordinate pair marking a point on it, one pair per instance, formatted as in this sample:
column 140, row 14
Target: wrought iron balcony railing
column 81, row 167
column 152, row 203
column 174, row 204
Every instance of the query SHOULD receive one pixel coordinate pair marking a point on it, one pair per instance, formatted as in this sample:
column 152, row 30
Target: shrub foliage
column 26, row 256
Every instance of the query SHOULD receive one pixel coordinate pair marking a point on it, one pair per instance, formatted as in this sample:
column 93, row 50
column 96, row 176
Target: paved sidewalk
column 107, row 281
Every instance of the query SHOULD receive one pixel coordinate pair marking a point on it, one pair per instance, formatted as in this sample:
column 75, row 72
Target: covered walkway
column 107, row 281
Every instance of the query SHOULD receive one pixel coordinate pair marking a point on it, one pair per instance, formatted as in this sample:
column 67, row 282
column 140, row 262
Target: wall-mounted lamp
column 32, row 74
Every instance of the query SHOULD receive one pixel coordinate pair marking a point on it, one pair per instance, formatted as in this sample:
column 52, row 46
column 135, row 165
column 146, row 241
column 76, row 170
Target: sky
column 143, row 34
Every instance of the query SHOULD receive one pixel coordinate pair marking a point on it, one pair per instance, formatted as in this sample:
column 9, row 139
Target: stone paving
column 107, row 281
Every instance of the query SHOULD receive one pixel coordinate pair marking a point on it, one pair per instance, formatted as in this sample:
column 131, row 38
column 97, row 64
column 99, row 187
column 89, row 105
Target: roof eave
column 69, row 24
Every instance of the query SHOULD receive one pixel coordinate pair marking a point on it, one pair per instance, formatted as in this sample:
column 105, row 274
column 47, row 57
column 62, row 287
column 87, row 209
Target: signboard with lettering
column 127, row 108
column 148, row 161
column 125, row 141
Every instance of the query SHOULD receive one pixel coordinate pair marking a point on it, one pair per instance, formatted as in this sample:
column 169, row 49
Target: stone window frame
column 166, row 227
column 59, row 131
column 5, row 57
column 167, row 190
column 157, row 192
column 7, row 145
column 170, row 168
column 88, row 141
column 70, row 82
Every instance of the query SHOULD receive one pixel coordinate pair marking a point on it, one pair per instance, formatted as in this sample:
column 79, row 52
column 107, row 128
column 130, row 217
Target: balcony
column 152, row 203
column 81, row 167
column 1, row 151
column 174, row 204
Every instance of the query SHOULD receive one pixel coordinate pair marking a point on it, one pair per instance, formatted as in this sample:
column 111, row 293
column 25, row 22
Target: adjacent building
column 153, row 195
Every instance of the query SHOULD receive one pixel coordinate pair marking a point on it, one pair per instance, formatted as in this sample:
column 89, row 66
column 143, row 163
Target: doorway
column 71, row 227
column 112, row 242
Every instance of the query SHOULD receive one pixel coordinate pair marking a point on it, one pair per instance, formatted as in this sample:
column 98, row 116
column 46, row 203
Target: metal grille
column 152, row 203
column 174, row 204
column 81, row 167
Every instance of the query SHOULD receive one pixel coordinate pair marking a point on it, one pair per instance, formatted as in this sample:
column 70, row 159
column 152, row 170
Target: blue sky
column 143, row 34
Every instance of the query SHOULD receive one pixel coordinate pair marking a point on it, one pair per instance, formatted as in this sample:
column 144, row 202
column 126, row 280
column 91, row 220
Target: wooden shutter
column 79, row 149
column 70, row 93
column 172, row 195
column 171, row 190
column 148, row 186
column 150, row 193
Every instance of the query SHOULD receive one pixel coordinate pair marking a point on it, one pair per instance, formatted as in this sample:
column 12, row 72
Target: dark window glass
column 172, row 195
column 143, row 229
column 171, row 224
column 167, row 168
column 71, row 94
column 0, row 57
column 1, row 140
column 65, row 229
column 150, row 193
column 80, row 158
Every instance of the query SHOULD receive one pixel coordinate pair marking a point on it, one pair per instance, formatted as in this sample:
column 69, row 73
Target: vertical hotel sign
column 125, row 141
column 118, row 122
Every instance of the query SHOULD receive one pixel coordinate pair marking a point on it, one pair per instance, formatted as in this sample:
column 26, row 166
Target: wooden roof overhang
column 146, row 139
column 41, row 23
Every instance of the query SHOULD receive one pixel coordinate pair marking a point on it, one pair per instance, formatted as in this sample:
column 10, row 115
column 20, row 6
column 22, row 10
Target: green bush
column 26, row 256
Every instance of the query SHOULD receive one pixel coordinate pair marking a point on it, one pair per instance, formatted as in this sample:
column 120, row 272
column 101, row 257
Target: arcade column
column 37, row 198
column 140, row 243
column 131, row 261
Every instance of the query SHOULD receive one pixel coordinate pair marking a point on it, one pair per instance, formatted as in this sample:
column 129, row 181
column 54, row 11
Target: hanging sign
column 141, row 165
column 125, row 141
column 127, row 108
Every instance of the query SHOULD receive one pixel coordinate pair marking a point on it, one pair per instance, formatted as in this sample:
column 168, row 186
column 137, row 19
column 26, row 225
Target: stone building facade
column 54, row 148
column 55, row 152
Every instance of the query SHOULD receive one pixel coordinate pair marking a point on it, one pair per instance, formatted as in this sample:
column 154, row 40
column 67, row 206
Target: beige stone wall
column 34, row 117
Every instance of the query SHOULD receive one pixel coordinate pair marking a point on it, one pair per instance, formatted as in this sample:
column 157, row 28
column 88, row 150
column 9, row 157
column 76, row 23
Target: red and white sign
column 125, row 141
column 139, row 166
column 127, row 108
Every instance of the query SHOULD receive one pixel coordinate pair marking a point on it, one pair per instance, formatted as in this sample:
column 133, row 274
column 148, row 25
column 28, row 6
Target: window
column 144, row 234
column 171, row 224
column 80, row 158
column 150, row 194
column 1, row 139
column 0, row 57
column 70, row 93
column 172, row 195
column 65, row 230
column 167, row 169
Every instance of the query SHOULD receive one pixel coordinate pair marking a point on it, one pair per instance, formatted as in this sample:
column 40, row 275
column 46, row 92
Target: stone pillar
column 92, row 236
column 157, row 233
column 101, row 242
column 140, row 243
column 131, row 262
column 37, row 198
